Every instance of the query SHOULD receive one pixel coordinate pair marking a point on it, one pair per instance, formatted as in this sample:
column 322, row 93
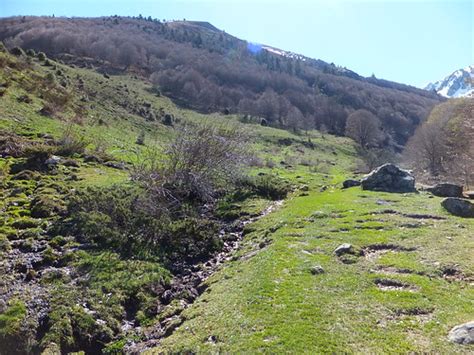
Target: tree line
column 208, row 70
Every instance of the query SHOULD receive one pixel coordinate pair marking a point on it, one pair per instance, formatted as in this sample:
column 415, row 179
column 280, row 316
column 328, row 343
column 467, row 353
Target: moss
column 10, row 320
column 58, row 241
column 43, row 206
column 9, row 232
column 49, row 256
column 32, row 233
column 25, row 223
column 4, row 243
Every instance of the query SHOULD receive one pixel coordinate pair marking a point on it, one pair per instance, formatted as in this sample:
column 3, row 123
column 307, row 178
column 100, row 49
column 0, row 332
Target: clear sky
column 412, row 42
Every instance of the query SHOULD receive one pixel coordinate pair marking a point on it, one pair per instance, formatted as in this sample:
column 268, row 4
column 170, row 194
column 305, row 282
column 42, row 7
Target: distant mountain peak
column 458, row 84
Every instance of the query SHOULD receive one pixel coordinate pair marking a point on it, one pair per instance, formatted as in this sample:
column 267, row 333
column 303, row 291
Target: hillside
column 208, row 70
column 89, row 263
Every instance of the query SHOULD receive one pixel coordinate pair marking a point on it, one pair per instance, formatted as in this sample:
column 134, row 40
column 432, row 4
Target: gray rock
column 462, row 334
column 389, row 178
column 350, row 183
column 458, row 207
column 115, row 165
column 53, row 160
column 343, row 249
column 469, row 194
column 317, row 269
column 446, row 190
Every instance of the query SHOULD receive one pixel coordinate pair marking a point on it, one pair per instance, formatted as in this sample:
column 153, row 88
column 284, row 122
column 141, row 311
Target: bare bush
column 200, row 161
column 71, row 142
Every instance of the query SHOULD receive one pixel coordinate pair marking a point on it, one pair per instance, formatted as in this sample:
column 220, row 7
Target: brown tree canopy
column 443, row 147
column 364, row 127
column 206, row 69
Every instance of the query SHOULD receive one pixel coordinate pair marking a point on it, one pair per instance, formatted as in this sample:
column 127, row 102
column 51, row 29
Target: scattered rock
column 70, row 163
column 343, row 249
column 350, row 183
column 458, row 207
column 92, row 159
column 462, row 334
column 469, row 194
column 52, row 161
column 446, row 190
column 393, row 285
column 389, row 178
column 26, row 175
column 115, row 165
column 317, row 269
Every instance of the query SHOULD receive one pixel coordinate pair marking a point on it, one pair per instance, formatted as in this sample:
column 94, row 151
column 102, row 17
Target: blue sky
column 413, row 42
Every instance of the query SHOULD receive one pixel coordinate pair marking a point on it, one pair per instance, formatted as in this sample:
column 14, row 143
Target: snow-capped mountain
column 458, row 84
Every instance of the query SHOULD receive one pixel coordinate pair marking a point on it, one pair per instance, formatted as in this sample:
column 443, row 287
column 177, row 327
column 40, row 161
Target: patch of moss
column 25, row 223
column 10, row 320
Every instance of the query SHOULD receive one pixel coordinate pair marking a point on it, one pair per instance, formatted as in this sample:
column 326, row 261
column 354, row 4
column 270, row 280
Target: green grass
column 266, row 299
column 11, row 318
column 271, row 302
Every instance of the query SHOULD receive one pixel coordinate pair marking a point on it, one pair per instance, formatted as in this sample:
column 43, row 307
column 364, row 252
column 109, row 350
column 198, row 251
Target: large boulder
column 389, row 178
column 446, row 190
column 458, row 207
column 462, row 334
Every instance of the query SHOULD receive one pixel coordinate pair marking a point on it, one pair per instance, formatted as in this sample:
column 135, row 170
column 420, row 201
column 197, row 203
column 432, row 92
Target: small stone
column 350, row 183
column 462, row 334
column 343, row 249
column 317, row 269
column 53, row 160
column 469, row 194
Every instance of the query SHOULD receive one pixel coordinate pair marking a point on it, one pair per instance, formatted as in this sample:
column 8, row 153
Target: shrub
column 71, row 142
column 199, row 162
column 50, row 78
column 41, row 56
column 120, row 218
column 269, row 186
column 31, row 53
column 141, row 138
column 17, row 51
column 36, row 158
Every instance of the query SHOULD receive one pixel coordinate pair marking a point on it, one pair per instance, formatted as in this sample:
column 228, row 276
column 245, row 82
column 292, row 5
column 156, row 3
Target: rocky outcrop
column 446, row 190
column 458, row 207
column 462, row 334
column 389, row 178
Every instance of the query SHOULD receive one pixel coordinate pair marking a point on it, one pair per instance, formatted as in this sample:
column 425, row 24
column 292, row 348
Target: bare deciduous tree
column 364, row 127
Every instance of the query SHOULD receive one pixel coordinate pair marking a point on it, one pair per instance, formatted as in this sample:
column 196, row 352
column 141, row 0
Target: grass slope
column 270, row 301
column 87, row 291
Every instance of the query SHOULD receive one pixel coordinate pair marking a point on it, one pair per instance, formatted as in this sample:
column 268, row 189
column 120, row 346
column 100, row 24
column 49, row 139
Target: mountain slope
column 458, row 84
column 279, row 289
column 206, row 69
